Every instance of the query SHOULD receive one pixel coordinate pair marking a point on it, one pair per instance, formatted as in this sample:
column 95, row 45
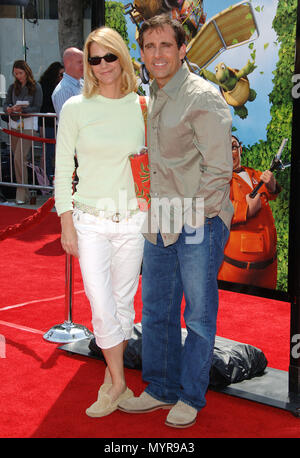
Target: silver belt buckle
column 116, row 218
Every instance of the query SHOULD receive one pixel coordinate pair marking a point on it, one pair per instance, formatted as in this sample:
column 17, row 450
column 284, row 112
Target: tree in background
column 70, row 24
column 114, row 18
column 260, row 154
column 71, row 13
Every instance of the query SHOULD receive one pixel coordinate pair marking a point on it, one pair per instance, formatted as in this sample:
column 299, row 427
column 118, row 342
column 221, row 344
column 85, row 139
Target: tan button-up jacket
column 190, row 157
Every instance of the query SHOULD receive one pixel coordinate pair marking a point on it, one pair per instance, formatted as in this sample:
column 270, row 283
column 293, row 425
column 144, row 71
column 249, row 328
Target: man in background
column 71, row 82
column 250, row 253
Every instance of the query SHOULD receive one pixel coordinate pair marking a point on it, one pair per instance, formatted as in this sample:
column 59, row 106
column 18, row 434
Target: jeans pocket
column 225, row 233
column 193, row 235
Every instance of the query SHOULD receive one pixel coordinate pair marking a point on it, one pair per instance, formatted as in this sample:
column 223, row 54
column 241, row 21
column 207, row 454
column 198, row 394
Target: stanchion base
column 67, row 332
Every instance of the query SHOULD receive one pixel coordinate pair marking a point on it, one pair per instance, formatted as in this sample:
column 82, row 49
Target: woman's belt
column 116, row 217
column 250, row 265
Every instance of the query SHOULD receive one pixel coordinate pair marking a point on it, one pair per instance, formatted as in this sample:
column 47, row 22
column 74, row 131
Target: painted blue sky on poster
column 253, row 128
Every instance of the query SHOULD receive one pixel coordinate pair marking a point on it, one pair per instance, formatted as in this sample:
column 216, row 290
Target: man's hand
column 268, row 178
column 254, row 205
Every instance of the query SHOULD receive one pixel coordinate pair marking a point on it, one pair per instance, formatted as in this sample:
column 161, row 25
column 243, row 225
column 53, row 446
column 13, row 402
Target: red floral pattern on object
column 141, row 177
column 140, row 167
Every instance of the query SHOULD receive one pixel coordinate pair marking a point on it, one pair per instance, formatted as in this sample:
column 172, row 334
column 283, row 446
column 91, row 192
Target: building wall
column 41, row 42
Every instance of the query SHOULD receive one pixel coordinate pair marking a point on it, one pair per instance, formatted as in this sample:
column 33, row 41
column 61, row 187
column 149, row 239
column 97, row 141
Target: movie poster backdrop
column 256, row 78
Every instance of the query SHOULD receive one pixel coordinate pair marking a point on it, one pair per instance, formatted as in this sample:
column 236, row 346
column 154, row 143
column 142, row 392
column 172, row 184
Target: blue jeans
column 175, row 371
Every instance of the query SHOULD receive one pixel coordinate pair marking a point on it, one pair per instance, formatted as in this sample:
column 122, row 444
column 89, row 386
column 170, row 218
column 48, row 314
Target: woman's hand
column 16, row 108
column 9, row 110
column 69, row 240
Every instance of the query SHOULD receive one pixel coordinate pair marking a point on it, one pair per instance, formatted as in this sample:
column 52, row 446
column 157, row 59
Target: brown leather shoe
column 181, row 416
column 142, row 404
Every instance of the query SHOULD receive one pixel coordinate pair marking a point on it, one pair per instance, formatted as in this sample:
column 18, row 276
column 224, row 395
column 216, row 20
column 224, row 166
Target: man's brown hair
column 160, row 21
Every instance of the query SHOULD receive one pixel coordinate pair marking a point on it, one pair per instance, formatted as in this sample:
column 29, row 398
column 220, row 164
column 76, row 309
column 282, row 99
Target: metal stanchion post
column 68, row 331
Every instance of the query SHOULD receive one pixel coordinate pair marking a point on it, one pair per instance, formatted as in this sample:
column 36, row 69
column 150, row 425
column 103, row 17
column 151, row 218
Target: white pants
column 110, row 257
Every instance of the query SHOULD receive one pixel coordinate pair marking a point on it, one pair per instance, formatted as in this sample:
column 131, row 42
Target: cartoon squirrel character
column 234, row 85
column 189, row 12
column 150, row 8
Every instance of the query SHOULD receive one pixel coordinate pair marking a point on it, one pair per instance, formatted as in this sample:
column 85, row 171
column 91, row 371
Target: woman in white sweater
column 101, row 222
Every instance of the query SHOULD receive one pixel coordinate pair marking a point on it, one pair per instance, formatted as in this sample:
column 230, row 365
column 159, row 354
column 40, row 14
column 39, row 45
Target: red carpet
column 45, row 391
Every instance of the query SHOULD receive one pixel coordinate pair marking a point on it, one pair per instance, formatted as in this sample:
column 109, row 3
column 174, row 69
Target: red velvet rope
column 29, row 222
column 29, row 137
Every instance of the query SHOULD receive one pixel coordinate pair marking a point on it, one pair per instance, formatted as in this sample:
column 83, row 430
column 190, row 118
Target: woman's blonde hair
column 112, row 40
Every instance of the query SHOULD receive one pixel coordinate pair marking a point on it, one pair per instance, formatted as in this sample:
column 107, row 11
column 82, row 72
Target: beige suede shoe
column 104, row 388
column 104, row 404
column 142, row 404
column 181, row 416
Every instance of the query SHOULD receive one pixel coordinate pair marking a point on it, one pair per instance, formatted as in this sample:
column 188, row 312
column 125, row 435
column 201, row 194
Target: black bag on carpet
column 232, row 361
column 133, row 352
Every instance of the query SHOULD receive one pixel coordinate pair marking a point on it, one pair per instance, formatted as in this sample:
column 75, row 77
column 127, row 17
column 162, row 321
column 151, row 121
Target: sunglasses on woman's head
column 96, row 60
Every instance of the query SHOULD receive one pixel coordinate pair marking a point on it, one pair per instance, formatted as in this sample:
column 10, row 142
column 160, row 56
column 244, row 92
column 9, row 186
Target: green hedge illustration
column 260, row 154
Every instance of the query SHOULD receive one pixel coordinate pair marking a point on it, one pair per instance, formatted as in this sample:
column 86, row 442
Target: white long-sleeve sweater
column 103, row 132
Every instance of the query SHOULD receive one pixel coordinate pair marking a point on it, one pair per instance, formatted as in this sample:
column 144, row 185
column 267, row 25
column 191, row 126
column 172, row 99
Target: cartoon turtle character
column 234, row 85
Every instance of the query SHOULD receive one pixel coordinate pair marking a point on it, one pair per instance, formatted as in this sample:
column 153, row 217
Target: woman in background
column 48, row 81
column 25, row 95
